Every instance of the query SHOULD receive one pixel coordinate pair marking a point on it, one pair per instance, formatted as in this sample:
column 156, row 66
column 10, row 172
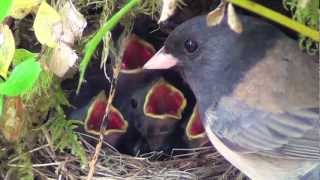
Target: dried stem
column 104, row 121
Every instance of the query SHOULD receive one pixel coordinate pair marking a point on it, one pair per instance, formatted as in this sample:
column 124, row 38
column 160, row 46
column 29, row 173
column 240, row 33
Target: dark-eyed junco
column 258, row 94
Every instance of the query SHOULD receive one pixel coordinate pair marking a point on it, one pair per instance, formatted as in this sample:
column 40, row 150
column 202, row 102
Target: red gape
column 96, row 117
column 115, row 121
column 196, row 126
column 164, row 100
column 136, row 54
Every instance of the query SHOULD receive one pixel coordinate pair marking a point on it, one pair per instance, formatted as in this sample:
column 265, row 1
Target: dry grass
column 198, row 163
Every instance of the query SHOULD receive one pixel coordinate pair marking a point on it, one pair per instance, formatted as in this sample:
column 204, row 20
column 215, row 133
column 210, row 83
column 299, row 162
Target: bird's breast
column 259, row 167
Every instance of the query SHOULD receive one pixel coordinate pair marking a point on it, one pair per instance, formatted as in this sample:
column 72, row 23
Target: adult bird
column 258, row 94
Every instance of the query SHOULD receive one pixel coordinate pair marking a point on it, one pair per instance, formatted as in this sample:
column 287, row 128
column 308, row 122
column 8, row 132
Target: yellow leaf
column 48, row 25
column 21, row 8
column 233, row 20
column 7, row 48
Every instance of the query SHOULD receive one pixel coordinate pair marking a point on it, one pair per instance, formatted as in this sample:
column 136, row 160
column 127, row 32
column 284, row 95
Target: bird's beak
column 161, row 60
column 115, row 121
column 164, row 101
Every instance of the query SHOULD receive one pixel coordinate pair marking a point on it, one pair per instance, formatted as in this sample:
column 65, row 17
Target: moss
column 306, row 12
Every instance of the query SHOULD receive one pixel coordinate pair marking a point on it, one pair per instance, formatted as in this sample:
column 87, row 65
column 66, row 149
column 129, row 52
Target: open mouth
column 136, row 53
column 164, row 101
column 195, row 128
column 115, row 121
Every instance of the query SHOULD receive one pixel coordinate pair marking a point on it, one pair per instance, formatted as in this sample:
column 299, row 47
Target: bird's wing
column 294, row 134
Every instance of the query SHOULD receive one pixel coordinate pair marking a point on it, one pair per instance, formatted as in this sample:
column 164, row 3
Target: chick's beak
column 96, row 113
column 164, row 101
column 136, row 53
column 161, row 60
column 195, row 129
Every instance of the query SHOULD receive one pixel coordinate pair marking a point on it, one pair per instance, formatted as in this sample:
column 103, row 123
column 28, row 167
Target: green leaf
column 5, row 6
column 20, row 55
column 22, row 78
column 64, row 137
column 92, row 44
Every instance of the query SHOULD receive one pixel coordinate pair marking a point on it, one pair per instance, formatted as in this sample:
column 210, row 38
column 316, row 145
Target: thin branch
column 278, row 18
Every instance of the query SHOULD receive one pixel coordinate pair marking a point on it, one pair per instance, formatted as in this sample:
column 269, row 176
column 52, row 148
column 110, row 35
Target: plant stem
column 110, row 24
column 92, row 44
column 278, row 18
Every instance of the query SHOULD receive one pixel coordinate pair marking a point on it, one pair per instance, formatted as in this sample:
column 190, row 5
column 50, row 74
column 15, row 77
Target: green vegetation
column 64, row 137
column 92, row 44
column 306, row 12
column 26, row 74
column 22, row 78
column 5, row 6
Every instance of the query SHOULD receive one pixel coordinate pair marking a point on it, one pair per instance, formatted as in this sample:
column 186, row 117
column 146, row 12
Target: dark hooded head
column 214, row 59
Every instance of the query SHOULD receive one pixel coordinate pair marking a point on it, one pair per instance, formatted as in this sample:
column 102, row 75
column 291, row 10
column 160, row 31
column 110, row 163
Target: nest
column 47, row 162
column 197, row 163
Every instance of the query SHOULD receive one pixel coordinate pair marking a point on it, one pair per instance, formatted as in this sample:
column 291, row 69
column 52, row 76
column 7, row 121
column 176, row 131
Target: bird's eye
column 190, row 45
column 134, row 103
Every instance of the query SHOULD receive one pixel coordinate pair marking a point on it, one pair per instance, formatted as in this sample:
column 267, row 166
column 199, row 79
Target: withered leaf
column 233, row 20
column 215, row 17
column 14, row 119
